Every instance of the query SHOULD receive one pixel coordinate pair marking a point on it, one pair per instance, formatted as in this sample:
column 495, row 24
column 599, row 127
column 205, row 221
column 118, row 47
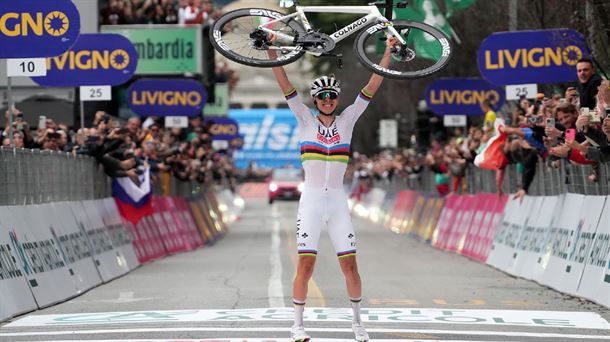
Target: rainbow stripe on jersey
column 314, row 151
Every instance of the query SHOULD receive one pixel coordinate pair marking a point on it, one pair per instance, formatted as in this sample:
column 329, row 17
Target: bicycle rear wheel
column 427, row 51
column 237, row 36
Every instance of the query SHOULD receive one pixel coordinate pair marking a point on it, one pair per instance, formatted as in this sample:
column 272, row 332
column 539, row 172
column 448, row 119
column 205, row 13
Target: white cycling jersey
column 324, row 155
column 325, row 150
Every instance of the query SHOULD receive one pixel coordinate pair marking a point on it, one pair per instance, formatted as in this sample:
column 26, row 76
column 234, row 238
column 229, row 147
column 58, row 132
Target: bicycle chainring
column 318, row 42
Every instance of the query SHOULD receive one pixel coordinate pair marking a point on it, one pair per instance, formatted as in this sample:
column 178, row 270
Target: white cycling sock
column 356, row 309
column 299, row 307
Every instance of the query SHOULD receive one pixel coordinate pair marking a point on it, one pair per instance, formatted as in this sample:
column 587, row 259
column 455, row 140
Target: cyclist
column 325, row 141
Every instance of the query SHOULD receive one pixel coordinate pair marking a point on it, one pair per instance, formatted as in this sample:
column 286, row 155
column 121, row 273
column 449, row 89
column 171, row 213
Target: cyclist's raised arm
column 280, row 75
column 375, row 81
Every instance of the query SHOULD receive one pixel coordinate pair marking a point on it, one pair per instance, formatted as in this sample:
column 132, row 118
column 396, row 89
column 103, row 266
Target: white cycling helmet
column 325, row 83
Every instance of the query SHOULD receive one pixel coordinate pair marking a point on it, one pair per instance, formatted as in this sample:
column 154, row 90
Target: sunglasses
column 327, row 94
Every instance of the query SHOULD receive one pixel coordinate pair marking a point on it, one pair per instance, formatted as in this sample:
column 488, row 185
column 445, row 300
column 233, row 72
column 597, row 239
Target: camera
column 534, row 119
column 123, row 130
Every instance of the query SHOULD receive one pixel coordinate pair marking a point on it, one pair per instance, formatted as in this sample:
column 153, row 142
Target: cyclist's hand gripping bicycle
column 244, row 35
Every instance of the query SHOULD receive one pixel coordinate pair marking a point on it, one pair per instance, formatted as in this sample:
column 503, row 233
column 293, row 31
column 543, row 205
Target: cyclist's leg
column 309, row 224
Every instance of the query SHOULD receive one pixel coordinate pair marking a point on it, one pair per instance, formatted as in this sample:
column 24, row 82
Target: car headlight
column 301, row 187
column 272, row 187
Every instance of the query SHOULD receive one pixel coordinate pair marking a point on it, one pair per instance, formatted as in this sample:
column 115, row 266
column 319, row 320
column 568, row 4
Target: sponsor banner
column 595, row 283
column 271, row 138
column 411, row 217
column 118, row 231
column 222, row 128
column 539, row 56
column 171, row 217
column 164, row 50
column 73, row 244
column 405, row 200
column 167, row 97
column 526, row 233
column 483, row 210
column 172, row 241
column 561, row 272
column 537, row 319
column 424, row 219
column 15, row 295
column 108, row 261
column 182, row 209
column 508, row 233
column 457, row 235
column 95, row 59
column 462, row 96
column 38, row 254
column 37, row 28
column 440, row 237
column 150, row 240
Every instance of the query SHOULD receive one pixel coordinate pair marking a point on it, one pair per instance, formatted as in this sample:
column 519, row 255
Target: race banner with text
column 539, row 56
column 95, row 59
column 167, row 97
column 37, row 28
column 271, row 137
column 462, row 96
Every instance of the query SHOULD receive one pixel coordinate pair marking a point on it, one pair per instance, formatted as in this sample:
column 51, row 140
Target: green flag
column 426, row 11
column 457, row 5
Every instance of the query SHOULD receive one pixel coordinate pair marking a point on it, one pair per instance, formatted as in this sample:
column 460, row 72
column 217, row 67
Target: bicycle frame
column 372, row 14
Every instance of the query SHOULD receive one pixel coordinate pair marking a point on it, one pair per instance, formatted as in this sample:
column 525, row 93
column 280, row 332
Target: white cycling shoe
column 360, row 333
column 298, row 334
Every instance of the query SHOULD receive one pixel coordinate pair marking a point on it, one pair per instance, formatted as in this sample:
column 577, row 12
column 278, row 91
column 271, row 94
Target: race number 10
column 95, row 93
column 30, row 67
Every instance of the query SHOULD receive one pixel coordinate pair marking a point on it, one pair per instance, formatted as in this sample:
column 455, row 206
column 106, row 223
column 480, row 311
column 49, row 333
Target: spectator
column 588, row 82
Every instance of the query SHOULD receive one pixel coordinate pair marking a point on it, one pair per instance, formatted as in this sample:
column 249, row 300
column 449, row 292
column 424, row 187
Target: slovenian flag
column 134, row 201
column 491, row 156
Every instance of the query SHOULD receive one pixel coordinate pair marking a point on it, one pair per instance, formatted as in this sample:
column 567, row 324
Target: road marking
column 263, row 340
column 285, row 329
column 275, row 290
column 541, row 319
column 474, row 302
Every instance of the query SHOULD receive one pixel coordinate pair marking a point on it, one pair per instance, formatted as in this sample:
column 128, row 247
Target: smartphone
column 42, row 122
column 607, row 112
column 123, row 130
column 550, row 122
column 570, row 134
column 595, row 118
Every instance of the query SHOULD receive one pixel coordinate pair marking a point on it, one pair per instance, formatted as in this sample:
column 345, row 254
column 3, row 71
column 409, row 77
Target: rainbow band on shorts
column 306, row 252
column 346, row 254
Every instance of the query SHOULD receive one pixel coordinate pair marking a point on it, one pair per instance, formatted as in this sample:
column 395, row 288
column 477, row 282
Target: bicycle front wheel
column 243, row 37
column 427, row 50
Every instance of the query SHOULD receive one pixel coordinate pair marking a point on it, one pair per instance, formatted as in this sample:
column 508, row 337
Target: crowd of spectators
column 573, row 126
column 126, row 150
column 184, row 12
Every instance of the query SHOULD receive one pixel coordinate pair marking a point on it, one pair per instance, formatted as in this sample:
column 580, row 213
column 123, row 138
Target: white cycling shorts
column 321, row 208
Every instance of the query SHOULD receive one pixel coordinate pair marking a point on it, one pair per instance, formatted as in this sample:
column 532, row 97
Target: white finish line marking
column 284, row 329
column 543, row 319
column 262, row 340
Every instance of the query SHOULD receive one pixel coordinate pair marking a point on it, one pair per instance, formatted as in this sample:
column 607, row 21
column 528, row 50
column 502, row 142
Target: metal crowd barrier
column 548, row 181
column 35, row 177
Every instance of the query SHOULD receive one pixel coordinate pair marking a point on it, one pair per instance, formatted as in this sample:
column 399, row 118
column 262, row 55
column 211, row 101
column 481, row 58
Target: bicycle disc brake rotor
column 404, row 54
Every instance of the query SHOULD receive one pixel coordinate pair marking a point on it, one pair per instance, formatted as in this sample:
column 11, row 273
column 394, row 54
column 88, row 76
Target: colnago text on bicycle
column 325, row 145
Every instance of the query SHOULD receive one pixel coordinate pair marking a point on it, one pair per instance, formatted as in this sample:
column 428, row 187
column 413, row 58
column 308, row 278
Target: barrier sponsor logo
column 73, row 247
column 37, row 28
column 8, row 264
column 37, row 256
column 95, row 59
column 271, row 137
column 541, row 56
column 462, row 96
column 169, row 97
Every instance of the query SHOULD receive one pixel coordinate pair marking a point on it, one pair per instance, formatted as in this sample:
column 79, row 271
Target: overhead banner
column 95, row 59
column 37, row 28
column 167, row 97
column 222, row 128
column 539, row 56
column 271, row 137
column 164, row 50
column 462, row 96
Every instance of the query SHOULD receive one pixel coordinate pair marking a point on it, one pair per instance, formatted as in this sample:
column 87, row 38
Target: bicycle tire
column 370, row 33
column 222, row 45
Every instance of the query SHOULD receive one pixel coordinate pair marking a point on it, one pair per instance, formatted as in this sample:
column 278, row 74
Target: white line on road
column 264, row 340
column 275, row 290
column 285, row 329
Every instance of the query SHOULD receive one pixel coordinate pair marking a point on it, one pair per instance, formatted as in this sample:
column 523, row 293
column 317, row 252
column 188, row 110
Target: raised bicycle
column 243, row 36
